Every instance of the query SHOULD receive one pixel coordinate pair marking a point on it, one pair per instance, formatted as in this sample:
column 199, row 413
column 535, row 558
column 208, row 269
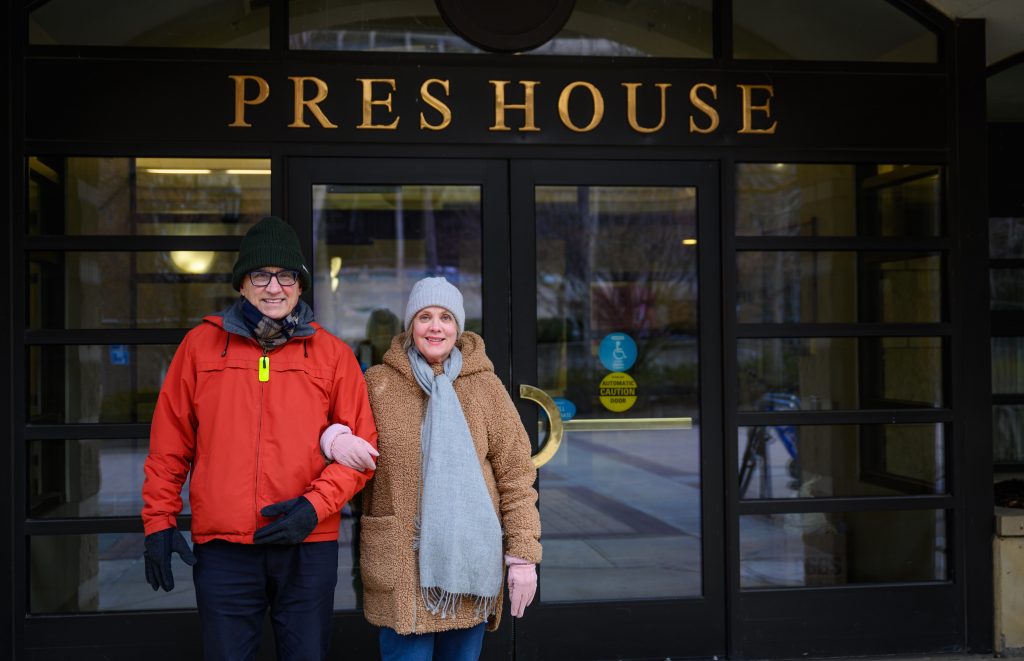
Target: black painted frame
column 962, row 606
column 661, row 628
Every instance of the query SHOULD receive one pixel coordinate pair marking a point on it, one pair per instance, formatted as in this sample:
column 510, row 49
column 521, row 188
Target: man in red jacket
column 240, row 412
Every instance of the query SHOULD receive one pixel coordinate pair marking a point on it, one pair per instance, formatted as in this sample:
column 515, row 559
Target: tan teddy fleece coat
column 391, row 591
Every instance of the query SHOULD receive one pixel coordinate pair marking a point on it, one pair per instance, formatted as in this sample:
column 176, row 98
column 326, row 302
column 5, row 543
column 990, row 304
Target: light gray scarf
column 459, row 540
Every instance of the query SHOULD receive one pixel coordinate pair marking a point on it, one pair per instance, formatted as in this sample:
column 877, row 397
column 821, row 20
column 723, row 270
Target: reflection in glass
column 147, row 196
column 837, row 287
column 364, row 25
column 788, row 199
column 87, row 478
column 173, row 289
column 1006, row 288
column 1007, row 365
column 839, row 373
column 902, row 201
column 1006, row 238
column 195, row 24
column 1008, row 433
column 842, row 548
column 95, row 383
column 105, row 572
column 841, row 30
column 617, row 269
column 658, row 28
column 1005, row 102
column 373, row 242
column 822, row 461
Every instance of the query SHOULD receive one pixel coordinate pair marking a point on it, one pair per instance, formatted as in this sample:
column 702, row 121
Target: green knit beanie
column 270, row 242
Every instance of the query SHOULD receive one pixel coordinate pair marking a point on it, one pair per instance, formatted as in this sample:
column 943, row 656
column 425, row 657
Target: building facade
column 731, row 258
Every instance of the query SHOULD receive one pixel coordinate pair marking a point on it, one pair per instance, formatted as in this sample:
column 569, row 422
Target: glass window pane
column 195, row 24
column 655, row 28
column 1006, row 238
column 373, row 242
column 620, row 507
column 842, row 548
column 901, row 201
column 174, row 289
column 1006, row 287
column 839, row 373
column 147, row 196
column 1008, row 433
column 658, row 28
column 104, row 572
column 787, row 199
column 95, row 383
column 1007, row 365
column 823, row 461
column 843, row 30
column 1005, row 102
column 838, row 287
column 87, row 478
column 413, row 26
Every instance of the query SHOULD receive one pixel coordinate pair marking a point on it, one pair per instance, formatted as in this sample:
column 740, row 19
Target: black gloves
column 159, row 546
column 298, row 521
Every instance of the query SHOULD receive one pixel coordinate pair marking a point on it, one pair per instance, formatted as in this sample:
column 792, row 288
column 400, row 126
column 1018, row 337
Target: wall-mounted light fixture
column 335, row 270
column 192, row 261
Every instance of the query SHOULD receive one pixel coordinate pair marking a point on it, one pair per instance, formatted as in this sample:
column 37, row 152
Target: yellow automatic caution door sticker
column 618, row 392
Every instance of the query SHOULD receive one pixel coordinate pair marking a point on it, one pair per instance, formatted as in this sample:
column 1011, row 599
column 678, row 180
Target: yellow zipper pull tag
column 264, row 368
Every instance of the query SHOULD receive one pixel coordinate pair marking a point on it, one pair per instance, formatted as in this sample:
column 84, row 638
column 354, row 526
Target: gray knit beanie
column 270, row 242
column 438, row 292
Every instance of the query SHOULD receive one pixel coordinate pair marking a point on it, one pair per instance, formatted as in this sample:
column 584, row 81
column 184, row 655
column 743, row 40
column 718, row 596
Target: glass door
column 374, row 227
column 615, row 338
column 587, row 283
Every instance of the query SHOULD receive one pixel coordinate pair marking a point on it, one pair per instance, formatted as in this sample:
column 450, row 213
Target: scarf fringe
column 441, row 602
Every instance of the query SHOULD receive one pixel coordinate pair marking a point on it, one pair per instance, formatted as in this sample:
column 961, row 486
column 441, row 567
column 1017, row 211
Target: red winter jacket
column 248, row 443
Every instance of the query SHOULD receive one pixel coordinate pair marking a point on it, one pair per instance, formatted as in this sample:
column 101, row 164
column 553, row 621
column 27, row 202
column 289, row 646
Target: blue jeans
column 237, row 583
column 454, row 645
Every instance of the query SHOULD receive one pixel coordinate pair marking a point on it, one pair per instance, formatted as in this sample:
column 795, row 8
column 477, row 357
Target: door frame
column 660, row 628
column 360, row 637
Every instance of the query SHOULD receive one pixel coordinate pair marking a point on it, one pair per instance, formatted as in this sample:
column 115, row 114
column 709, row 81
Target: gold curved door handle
column 535, row 394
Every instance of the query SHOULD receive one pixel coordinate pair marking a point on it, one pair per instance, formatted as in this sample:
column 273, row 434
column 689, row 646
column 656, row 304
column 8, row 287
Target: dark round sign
column 506, row 27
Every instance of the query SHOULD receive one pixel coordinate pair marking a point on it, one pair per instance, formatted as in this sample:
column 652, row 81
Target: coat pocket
column 379, row 559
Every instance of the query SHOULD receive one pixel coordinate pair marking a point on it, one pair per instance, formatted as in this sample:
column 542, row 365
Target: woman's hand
column 522, row 584
column 339, row 444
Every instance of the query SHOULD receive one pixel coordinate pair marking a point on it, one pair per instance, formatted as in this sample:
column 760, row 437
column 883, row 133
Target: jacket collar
column 230, row 319
column 474, row 357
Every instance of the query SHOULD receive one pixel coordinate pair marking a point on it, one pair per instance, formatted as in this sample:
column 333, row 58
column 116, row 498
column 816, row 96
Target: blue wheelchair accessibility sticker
column 617, row 352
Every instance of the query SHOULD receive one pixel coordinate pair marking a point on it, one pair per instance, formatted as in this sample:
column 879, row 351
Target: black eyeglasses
column 284, row 278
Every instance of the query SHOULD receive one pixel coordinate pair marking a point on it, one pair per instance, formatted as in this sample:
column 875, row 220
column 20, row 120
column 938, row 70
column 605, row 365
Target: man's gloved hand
column 339, row 444
column 159, row 546
column 298, row 521
column 522, row 584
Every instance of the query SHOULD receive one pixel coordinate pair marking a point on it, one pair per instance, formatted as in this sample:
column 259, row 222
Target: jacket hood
column 474, row 357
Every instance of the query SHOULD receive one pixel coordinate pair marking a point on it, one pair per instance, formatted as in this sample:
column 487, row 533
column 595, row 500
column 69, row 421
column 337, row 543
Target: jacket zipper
column 259, row 443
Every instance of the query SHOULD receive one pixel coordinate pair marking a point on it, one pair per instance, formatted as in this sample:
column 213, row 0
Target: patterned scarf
column 459, row 538
column 268, row 332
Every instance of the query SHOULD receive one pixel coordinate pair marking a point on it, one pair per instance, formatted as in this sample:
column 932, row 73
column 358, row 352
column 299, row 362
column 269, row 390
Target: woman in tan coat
column 452, row 501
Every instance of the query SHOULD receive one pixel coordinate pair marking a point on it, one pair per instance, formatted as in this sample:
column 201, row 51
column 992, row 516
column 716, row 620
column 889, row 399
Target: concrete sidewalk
column 930, row 657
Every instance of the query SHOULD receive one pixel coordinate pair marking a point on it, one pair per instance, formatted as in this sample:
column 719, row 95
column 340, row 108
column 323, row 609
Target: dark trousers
column 237, row 583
